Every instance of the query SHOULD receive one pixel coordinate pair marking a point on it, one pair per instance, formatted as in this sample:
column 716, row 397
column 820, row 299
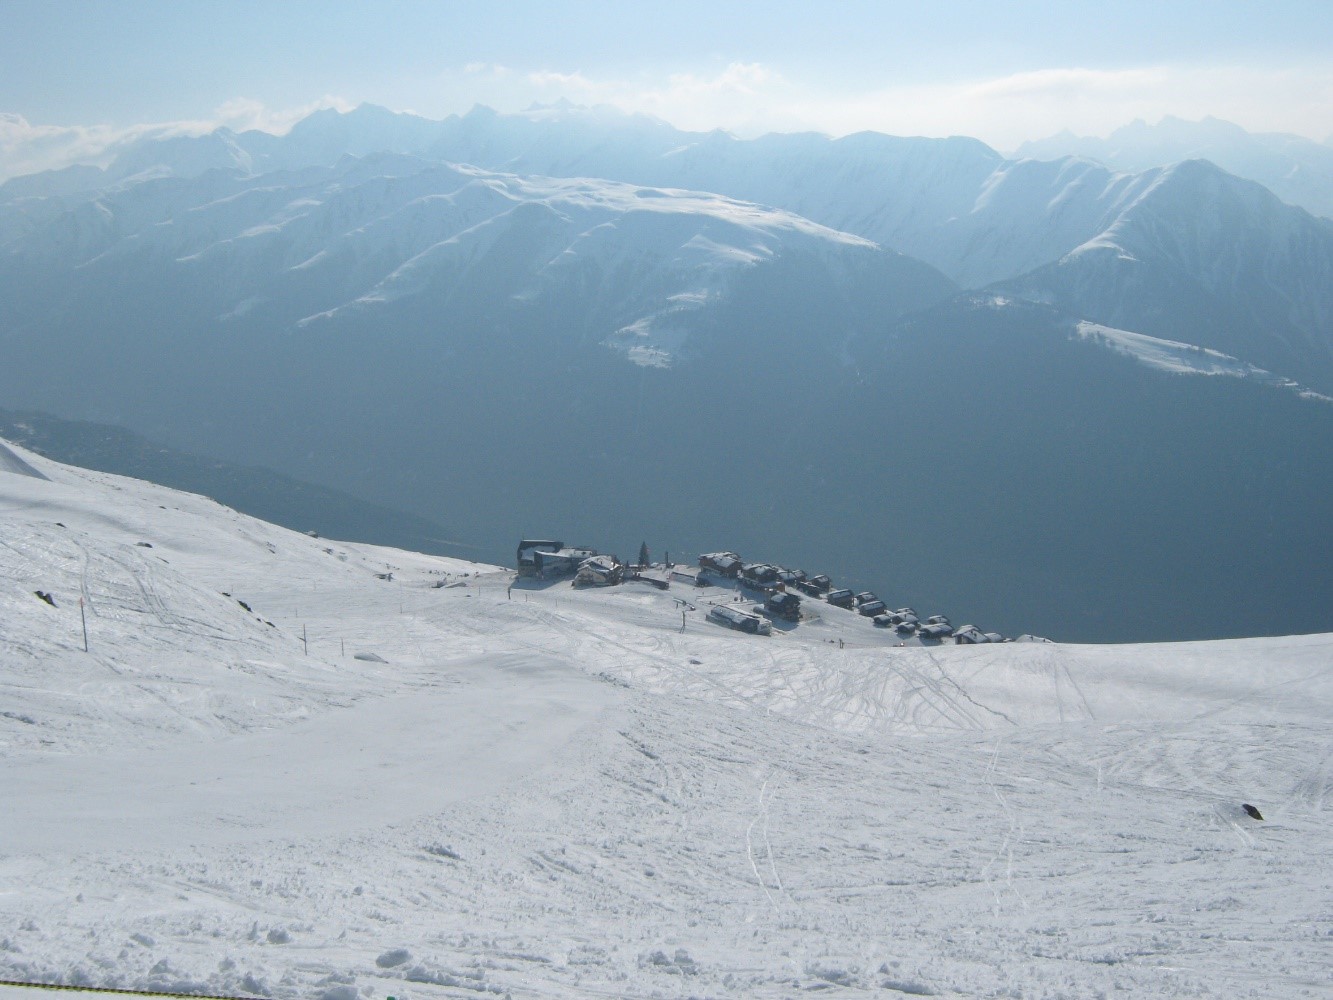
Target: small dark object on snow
column 1250, row 811
column 46, row 597
column 144, row 545
column 244, row 605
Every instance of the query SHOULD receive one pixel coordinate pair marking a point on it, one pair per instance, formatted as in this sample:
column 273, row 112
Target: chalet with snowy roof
column 727, row 564
column 564, row 561
column 784, row 605
column 969, row 635
column 741, row 621
column 599, row 571
column 842, row 598
column 687, row 574
column 760, row 576
column 527, row 553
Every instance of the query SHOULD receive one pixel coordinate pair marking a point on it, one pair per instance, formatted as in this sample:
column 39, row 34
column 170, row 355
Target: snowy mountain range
column 243, row 761
column 1297, row 170
column 955, row 204
column 873, row 348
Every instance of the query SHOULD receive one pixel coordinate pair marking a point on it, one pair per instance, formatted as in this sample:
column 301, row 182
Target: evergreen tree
column 643, row 554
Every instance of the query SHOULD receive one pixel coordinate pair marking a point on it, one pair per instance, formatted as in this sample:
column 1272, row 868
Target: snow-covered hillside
column 1184, row 359
column 1206, row 258
column 315, row 245
column 1224, row 247
column 601, row 311
column 1297, row 170
column 392, row 774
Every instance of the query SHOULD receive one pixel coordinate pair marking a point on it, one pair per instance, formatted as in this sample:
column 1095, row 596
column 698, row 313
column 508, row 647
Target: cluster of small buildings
column 548, row 559
column 778, row 586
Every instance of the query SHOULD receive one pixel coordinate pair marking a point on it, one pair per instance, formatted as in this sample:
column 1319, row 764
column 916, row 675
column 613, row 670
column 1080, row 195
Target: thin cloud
column 749, row 98
column 242, row 114
column 1059, row 81
column 563, row 81
column 26, row 148
column 1005, row 111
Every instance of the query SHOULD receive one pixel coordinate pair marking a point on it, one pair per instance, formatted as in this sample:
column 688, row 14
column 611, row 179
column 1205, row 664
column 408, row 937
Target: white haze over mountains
column 294, row 767
column 1048, row 396
column 955, row 204
column 1297, row 170
column 862, row 354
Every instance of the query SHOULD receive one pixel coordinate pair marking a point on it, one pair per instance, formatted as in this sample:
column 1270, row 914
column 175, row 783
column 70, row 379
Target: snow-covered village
column 700, row 502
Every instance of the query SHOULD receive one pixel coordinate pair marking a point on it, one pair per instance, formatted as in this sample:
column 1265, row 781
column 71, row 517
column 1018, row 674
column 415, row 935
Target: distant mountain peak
column 1297, row 170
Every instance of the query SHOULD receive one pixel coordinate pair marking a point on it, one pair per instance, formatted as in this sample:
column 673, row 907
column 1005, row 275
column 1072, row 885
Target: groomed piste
column 294, row 767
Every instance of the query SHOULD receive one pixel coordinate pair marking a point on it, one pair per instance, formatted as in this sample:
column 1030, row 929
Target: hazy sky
column 75, row 74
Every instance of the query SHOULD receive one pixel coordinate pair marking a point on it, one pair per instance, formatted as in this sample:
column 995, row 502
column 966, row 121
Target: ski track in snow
column 560, row 793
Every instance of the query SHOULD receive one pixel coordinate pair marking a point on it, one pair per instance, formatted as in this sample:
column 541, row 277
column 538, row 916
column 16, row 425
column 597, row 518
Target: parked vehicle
column 741, row 621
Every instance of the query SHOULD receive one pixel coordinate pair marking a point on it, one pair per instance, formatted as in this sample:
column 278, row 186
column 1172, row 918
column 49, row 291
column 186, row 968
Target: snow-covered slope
column 432, row 785
column 954, row 203
column 1297, row 170
column 316, row 244
column 1184, row 359
column 12, row 463
column 1203, row 257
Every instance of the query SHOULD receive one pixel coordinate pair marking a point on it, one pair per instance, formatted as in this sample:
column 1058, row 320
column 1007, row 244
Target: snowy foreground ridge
column 461, row 790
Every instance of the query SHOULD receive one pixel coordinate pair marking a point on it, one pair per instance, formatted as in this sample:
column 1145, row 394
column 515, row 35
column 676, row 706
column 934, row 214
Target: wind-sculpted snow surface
column 292, row 767
column 10, row 462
